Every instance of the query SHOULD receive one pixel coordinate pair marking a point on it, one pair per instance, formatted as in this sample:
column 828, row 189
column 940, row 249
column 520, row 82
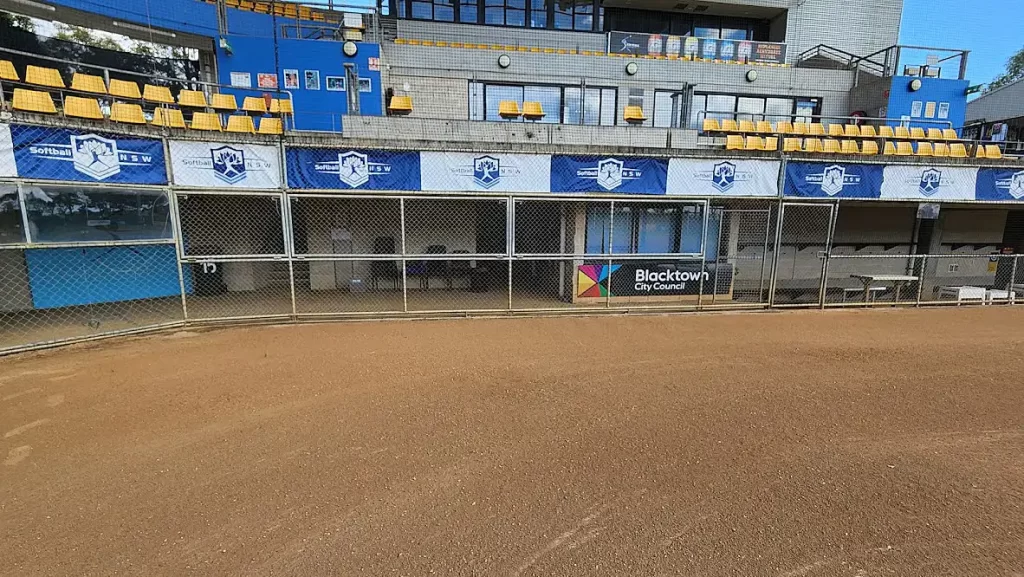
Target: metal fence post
column 775, row 253
column 179, row 249
column 405, row 288
column 1013, row 281
column 289, row 249
column 611, row 250
column 24, row 214
column 833, row 214
column 920, row 279
column 510, row 241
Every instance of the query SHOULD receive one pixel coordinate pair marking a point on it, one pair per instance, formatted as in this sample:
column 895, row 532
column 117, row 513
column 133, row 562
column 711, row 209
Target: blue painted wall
column 935, row 90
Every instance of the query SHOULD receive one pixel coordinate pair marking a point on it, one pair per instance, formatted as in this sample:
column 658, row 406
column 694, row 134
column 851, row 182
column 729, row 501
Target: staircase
column 825, row 57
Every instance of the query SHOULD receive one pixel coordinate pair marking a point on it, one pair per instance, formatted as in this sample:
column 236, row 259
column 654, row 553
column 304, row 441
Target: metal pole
column 1013, row 280
column 179, row 250
column 27, row 230
column 775, row 254
column 833, row 214
column 718, row 256
column 405, row 288
column 764, row 253
column 920, row 279
column 611, row 250
column 289, row 251
column 510, row 241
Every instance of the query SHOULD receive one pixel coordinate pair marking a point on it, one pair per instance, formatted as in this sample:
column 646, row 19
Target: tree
column 80, row 35
column 17, row 21
column 1014, row 72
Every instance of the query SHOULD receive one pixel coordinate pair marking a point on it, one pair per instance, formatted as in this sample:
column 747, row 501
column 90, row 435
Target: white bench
column 963, row 293
column 873, row 292
column 992, row 295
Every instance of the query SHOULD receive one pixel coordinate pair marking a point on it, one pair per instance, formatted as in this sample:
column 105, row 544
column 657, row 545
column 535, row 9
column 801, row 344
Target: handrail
column 851, row 59
column 701, row 115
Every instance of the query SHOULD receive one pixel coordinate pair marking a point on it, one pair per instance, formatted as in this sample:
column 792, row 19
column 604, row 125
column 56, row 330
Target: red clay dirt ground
column 860, row 443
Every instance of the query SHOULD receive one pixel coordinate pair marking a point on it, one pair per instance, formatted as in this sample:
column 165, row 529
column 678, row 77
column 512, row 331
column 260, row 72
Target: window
column 646, row 228
column 422, row 10
column 550, row 99
column 574, row 14
column 538, row 14
column 750, row 108
column 753, row 108
column 495, row 93
column 668, row 108
column 584, row 15
column 721, row 106
column 468, row 11
column 11, row 227
column 776, row 109
column 697, row 105
column 596, row 106
column 71, row 214
column 476, row 100
column 561, row 104
column 444, row 11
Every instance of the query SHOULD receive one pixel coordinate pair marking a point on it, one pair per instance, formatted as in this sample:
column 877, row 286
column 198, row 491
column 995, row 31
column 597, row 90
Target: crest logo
column 486, row 171
column 931, row 180
column 1014, row 185
column 354, row 168
column 609, row 173
column 228, row 164
column 832, row 180
column 95, row 156
column 724, row 176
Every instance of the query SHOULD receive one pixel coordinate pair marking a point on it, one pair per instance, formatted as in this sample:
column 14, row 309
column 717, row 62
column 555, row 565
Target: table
column 898, row 280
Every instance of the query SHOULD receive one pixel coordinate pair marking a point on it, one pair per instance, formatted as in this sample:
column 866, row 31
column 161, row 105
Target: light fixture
column 632, row 68
column 349, row 48
column 145, row 29
column 751, row 75
column 915, row 85
column 504, row 61
column 39, row 5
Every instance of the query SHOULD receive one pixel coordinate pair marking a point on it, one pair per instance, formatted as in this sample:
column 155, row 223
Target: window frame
column 602, row 92
column 736, row 113
column 546, row 13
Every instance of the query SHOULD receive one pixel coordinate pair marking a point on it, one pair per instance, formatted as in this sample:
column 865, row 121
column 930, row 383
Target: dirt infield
column 856, row 443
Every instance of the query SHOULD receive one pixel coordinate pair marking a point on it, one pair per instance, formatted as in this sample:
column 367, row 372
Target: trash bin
column 208, row 276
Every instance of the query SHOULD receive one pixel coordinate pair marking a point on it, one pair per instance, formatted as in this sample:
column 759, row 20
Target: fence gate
column 802, row 243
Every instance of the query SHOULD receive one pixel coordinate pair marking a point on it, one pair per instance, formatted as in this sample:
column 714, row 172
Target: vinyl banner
column 50, row 153
column 906, row 182
column 342, row 169
column 692, row 48
column 709, row 177
column 833, row 180
column 7, row 165
column 624, row 175
column 652, row 278
column 1000, row 184
column 465, row 172
column 222, row 164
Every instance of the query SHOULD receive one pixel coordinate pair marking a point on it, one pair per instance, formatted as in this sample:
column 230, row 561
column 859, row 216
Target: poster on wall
column 62, row 154
column 291, row 79
column 628, row 175
column 652, row 278
column 7, row 165
column 345, row 169
column 915, row 108
column 241, row 79
column 266, row 80
column 365, row 85
column 944, row 110
column 908, row 182
column 711, row 177
column 833, row 180
column 691, row 48
column 490, row 172
column 224, row 165
column 312, row 80
column 334, row 83
column 929, row 110
column 999, row 184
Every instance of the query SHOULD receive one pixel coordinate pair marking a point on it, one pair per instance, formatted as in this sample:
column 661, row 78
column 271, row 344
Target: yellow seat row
column 836, row 130
column 400, row 105
column 285, row 9
column 509, row 109
column 868, row 148
column 737, row 142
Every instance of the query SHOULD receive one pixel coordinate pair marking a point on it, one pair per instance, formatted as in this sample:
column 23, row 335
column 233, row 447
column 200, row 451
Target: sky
column 990, row 29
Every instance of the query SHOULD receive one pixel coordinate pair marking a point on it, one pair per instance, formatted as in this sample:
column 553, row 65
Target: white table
column 963, row 293
column 897, row 280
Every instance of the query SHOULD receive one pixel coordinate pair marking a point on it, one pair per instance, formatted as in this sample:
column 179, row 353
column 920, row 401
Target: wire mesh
column 237, row 288
column 231, row 224
column 803, row 241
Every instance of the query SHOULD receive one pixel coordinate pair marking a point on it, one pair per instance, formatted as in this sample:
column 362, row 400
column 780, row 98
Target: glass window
column 667, row 109
column 468, row 11
column 11, row 227
column 444, row 10
column 607, row 107
column 622, row 230
column 497, row 93
column 584, row 16
column 70, row 214
column 734, row 33
column 752, row 107
column 573, row 105
column 692, row 223
column 721, row 106
column 592, row 106
column 697, row 105
column 705, row 31
column 777, row 109
column 563, row 14
column 515, row 12
column 538, row 14
column 401, row 8
column 494, row 12
column 476, row 101
column 550, row 99
column 804, row 110
column 422, row 10
column 657, row 229
column 597, row 228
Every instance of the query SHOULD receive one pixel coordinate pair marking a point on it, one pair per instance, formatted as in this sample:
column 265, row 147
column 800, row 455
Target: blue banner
column 833, row 180
column 333, row 168
column 51, row 153
column 623, row 175
column 999, row 184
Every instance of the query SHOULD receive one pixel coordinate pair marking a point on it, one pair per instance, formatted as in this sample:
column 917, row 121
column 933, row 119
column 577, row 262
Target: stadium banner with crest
column 224, row 164
column 347, row 169
column 929, row 183
column 1000, row 184
column 50, row 153
column 621, row 175
column 833, row 180
column 7, row 164
column 484, row 172
column 732, row 177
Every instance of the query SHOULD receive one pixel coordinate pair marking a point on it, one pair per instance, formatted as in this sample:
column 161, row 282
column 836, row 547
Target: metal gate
column 800, row 263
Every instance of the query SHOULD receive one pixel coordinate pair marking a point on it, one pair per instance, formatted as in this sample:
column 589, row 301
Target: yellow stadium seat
column 830, row 146
column 889, row 149
column 88, row 83
column 992, row 151
column 902, row 132
column 868, row 131
column 746, row 126
column 124, row 89
column 836, row 130
column 734, row 142
column 815, row 129
column 852, row 131
column 43, row 76
column 791, row 145
column 206, row 121
column 941, row 149
column 800, row 128
column 849, row 147
column 254, row 105
column 949, row 134
column 917, row 133
column 958, row 150
column 812, row 145
column 533, row 111
column 128, row 113
column 634, row 115
column 192, row 98
column 79, row 107
column 711, row 125
column 753, row 143
column 764, row 127
column 241, row 123
column 224, row 102
column 904, row 149
column 169, row 117
column 771, row 143
column 271, row 125
column 925, row 149
column 869, row 147
column 281, row 106
column 509, row 109
column 886, row 131
column 784, row 127
column 935, row 134
column 160, row 94
column 730, row 125
column 400, row 105
column 7, row 71
column 33, row 101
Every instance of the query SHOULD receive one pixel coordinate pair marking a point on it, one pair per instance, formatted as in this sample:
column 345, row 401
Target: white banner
column 723, row 177
column 222, row 164
column 7, row 165
column 907, row 182
column 486, row 172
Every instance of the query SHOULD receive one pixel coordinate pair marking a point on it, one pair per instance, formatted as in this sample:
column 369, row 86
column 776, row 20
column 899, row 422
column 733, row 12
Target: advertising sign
column 690, row 48
column 225, row 165
column 1000, row 184
column 7, row 164
column 624, row 174
column 345, row 169
column 652, row 278
column 63, row 154
column 906, row 182
column 833, row 180
column 487, row 172
column 723, row 177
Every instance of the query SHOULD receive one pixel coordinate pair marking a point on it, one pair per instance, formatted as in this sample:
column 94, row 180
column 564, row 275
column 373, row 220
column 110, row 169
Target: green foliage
column 1014, row 72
